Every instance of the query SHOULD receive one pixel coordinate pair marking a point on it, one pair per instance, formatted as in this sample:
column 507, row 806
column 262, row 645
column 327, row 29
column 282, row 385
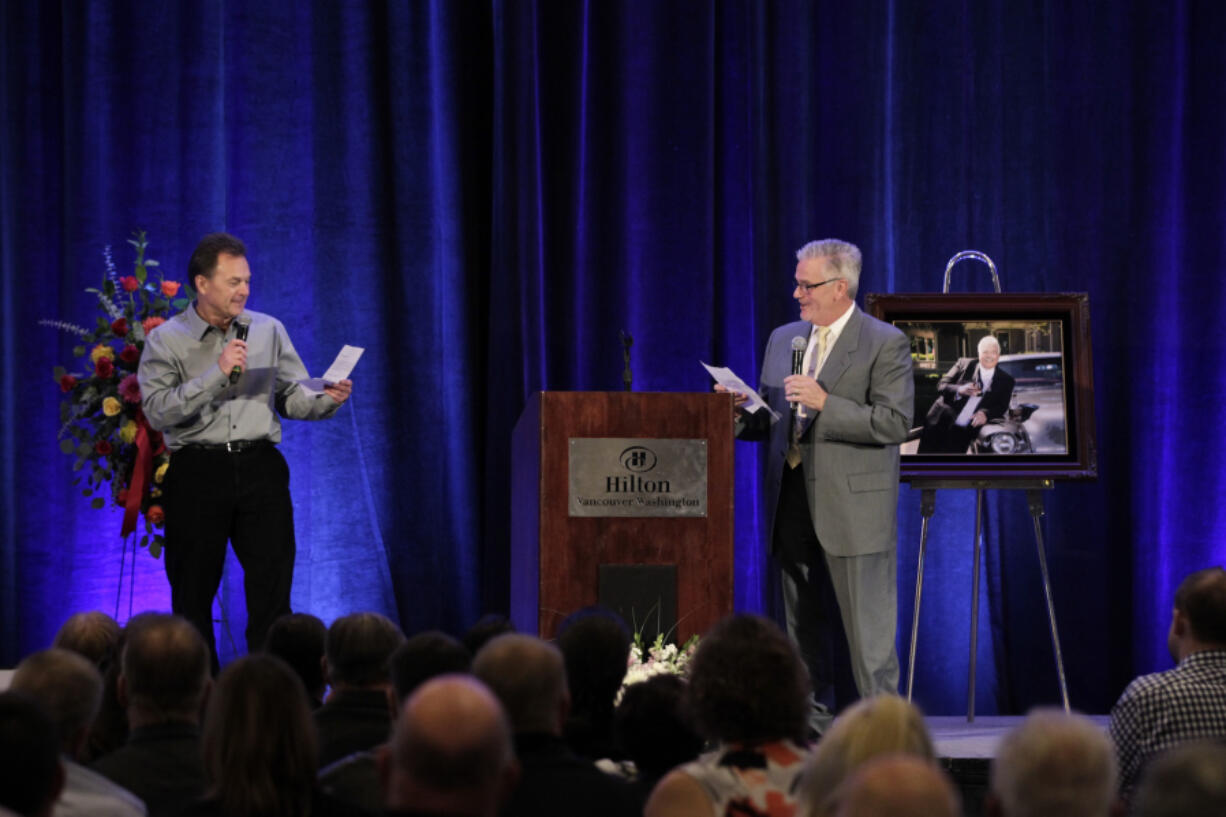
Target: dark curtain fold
column 484, row 194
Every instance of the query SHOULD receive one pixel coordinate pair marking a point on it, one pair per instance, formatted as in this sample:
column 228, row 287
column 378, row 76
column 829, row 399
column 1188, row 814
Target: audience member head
column 655, row 727
column 259, row 745
column 1186, row 781
column 529, row 678
column 1053, row 765
column 94, row 635
column 595, row 645
column 748, row 684
column 298, row 640
column 425, row 656
column 489, row 626
column 872, row 727
column 1199, row 619
column 450, row 751
column 897, row 785
column 31, row 776
column 359, row 649
column 165, row 670
column 68, row 687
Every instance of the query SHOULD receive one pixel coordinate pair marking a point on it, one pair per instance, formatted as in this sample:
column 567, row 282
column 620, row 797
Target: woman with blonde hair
column 872, row 727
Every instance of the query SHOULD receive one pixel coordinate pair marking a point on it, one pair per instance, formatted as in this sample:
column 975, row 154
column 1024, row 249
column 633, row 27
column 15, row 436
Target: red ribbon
column 142, row 469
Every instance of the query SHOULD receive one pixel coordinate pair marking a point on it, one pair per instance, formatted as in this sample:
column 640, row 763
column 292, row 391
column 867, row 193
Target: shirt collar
column 836, row 328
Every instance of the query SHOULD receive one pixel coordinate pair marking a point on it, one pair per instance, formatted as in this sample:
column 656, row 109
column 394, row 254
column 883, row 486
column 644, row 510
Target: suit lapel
column 841, row 354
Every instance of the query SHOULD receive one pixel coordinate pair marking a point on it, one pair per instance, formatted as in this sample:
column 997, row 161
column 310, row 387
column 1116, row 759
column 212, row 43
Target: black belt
column 233, row 447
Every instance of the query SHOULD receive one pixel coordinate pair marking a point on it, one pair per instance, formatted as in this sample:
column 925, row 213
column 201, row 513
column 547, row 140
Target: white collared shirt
column 986, row 375
column 836, row 329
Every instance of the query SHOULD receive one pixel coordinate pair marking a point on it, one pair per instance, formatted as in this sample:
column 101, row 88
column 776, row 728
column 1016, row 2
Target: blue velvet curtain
column 483, row 194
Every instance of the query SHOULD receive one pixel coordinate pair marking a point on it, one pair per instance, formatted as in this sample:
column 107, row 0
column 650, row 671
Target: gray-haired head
column 842, row 256
column 1187, row 781
column 1055, row 765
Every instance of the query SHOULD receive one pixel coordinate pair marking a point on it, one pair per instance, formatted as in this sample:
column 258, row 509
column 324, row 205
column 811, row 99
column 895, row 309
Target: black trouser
column 212, row 496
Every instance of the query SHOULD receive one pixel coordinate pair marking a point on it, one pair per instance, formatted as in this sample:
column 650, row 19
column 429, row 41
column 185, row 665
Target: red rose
column 170, row 288
column 155, row 514
column 102, row 447
column 104, row 368
column 129, row 389
column 67, row 382
column 129, row 283
column 130, row 355
column 149, row 324
column 120, row 326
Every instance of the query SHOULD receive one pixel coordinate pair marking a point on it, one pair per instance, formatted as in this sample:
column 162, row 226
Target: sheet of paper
column 340, row 369
column 728, row 379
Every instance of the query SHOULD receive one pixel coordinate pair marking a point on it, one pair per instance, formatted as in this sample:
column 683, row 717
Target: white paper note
column 340, row 369
column 728, row 379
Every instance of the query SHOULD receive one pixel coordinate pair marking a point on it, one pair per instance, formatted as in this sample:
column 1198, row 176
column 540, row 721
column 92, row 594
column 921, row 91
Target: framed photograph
column 1003, row 384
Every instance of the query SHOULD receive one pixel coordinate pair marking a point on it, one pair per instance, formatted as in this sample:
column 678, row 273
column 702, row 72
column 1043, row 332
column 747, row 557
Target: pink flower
column 170, row 288
column 155, row 514
column 129, row 283
column 129, row 389
column 149, row 324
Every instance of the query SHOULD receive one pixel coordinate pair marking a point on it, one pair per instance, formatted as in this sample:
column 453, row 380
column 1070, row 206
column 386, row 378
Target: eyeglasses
column 811, row 287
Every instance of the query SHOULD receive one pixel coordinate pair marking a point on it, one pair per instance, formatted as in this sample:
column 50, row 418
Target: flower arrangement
column 103, row 426
column 658, row 659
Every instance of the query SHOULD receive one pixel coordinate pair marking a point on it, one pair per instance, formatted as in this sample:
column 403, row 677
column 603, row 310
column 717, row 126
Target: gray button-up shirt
column 187, row 396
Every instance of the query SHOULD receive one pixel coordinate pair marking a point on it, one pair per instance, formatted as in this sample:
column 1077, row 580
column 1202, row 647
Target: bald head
column 1053, row 765
column 897, row 786
column 451, row 750
column 529, row 677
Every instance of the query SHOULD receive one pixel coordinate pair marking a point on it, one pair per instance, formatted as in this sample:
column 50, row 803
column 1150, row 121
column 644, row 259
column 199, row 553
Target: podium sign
column 612, row 488
column 621, row 476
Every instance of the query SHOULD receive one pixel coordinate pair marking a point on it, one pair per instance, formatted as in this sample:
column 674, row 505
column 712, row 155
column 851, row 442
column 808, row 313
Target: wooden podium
column 559, row 560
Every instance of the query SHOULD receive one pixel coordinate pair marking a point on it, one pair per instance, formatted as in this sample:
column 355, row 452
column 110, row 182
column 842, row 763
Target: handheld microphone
column 799, row 344
column 627, row 342
column 241, row 325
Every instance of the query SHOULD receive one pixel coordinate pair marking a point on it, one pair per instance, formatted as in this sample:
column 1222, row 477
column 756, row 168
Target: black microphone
column 241, row 325
column 799, row 344
column 627, row 342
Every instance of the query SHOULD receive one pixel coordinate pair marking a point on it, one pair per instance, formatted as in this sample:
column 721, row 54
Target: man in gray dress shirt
column 227, row 480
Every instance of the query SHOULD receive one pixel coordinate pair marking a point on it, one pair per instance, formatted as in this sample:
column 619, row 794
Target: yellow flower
column 101, row 350
column 127, row 432
column 111, row 406
column 160, row 473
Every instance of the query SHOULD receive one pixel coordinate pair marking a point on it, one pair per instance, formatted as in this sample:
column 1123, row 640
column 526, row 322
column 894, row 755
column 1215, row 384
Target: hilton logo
column 637, row 459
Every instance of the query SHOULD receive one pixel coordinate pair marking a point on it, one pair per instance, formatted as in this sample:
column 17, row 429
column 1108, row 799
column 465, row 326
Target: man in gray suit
column 832, row 468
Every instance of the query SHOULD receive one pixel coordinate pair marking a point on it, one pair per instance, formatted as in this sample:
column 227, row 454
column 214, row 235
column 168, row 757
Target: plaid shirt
column 1165, row 709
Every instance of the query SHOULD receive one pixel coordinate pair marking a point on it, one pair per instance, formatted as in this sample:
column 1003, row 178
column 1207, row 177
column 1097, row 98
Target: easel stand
column 928, row 501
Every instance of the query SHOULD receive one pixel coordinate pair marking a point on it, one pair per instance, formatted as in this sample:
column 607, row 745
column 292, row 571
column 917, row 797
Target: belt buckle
column 230, row 448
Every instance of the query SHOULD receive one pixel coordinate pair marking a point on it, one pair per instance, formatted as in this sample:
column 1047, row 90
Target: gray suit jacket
column 850, row 449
